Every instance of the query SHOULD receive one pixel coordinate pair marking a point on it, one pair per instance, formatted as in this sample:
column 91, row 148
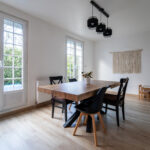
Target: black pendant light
column 101, row 27
column 92, row 22
column 108, row 31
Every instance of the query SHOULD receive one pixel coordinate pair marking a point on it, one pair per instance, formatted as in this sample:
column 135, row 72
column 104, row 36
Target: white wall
column 103, row 59
column 47, row 50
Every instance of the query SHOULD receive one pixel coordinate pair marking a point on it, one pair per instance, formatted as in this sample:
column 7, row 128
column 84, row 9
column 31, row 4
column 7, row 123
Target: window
column 13, row 55
column 74, row 59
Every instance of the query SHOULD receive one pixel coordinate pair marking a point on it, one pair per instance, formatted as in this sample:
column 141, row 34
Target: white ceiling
column 126, row 16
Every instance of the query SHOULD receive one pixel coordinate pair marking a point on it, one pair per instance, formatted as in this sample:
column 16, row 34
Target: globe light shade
column 107, row 32
column 92, row 22
column 101, row 28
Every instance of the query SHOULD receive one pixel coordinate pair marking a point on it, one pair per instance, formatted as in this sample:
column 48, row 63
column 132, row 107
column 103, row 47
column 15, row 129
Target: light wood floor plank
column 36, row 130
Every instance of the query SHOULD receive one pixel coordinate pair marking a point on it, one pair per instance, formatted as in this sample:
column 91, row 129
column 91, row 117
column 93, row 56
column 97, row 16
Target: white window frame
column 75, row 41
column 25, row 52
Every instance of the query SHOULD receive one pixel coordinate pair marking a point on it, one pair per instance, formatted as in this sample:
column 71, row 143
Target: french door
column 12, row 62
column 74, row 59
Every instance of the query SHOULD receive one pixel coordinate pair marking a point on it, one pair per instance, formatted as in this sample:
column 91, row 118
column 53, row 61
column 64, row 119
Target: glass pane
column 17, row 81
column 8, row 37
column 18, row 50
column 79, row 52
column 8, row 25
column 7, row 73
column 8, row 85
column 79, row 67
column 17, row 61
column 70, row 51
column 18, row 84
column 78, row 45
column 7, row 82
column 70, row 44
column 17, row 73
column 70, row 66
column 18, row 28
column 18, row 39
column 8, row 49
column 7, row 60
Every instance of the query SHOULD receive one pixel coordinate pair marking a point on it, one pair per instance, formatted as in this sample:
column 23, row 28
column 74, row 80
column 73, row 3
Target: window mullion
column 13, row 31
column 13, row 58
column 74, row 59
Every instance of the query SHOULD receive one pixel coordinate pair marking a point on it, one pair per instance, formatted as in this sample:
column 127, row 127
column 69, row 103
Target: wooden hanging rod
column 102, row 10
column 127, row 51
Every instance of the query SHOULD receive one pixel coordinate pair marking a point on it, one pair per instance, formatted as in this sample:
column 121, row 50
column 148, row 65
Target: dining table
column 77, row 92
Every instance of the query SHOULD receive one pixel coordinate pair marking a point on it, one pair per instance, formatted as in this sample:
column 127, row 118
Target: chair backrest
column 140, row 88
column 56, row 79
column 97, row 100
column 73, row 80
column 122, row 89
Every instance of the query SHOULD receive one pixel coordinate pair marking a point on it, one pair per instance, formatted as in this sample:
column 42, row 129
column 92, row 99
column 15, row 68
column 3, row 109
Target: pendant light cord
column 107, row 22
column 100, row 17
column 92, row 10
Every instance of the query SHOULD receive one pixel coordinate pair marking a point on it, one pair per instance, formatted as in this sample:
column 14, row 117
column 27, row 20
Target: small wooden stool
column 144, row 92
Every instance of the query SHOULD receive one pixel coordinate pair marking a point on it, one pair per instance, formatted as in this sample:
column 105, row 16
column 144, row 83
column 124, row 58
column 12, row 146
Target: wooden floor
column 35, row 130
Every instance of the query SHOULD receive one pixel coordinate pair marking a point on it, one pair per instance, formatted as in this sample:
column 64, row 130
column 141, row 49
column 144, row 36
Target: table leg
column 72, row 119
column 89, row 125
column 102, row 112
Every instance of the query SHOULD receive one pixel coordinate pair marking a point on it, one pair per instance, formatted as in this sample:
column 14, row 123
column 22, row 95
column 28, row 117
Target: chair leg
column 85, row 121
column 70, row 106
column 117, row 115
column 106, row 108
column 76, row 103
column 94, row 129
column 139, row 95
column 65, row 107
column 77, row 124
column 101, row 121
column 147, row 96
column 53, row 107
column 123, row 113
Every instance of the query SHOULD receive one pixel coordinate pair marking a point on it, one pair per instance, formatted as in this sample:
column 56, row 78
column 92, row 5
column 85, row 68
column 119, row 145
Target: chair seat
column 145, row 91
column 87, row 106
column 110, row 99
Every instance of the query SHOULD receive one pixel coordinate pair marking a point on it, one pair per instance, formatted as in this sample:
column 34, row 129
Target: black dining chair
column 90, row 107
column 117, row 100
column 73, row 80
column 64, row 102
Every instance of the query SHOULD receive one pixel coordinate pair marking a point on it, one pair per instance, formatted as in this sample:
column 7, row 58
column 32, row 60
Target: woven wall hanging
column 127, row 61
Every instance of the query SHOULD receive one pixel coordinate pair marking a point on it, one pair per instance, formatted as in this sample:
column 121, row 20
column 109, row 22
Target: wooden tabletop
column 76, row 91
